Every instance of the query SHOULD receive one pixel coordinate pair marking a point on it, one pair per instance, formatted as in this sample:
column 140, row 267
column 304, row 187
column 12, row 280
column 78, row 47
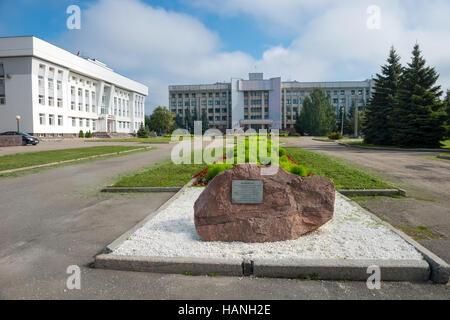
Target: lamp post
column 18, row 127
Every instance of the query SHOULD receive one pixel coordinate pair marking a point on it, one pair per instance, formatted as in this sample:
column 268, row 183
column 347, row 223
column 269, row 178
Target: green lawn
column 344, row 175
column 21, row 160
column 446, row 145
column 161, row 175
column 140, row 140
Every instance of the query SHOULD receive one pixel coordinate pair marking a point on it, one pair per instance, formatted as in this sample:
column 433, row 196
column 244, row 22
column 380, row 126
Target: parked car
column 26, row 138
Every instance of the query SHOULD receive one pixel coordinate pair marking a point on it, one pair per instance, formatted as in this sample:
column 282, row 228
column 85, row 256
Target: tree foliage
column 161, row 120
column 379, row 119
column 420, row 115
column 317, row 116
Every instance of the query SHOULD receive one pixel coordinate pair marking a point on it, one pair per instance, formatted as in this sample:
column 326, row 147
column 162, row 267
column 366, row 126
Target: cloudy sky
column 204, row 41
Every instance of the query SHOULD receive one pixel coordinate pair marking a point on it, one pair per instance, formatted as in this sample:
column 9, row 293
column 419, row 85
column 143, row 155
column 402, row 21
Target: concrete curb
column 188, row 266
column 440, row 270
column 116, row 243
column 393, row 149
column 443, row 157
column 373, row 192
column 71, row 160
column 352, row 270
column 142, row 189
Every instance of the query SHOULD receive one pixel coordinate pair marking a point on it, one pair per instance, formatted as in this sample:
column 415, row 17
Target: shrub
column 215, row 169
column 335, row 136
column 88, row 134
column 142, row 132
column 298, row 170
column 81, row 134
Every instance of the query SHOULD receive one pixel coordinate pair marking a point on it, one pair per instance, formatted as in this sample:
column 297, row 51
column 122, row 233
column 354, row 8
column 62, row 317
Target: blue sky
column 162, row 42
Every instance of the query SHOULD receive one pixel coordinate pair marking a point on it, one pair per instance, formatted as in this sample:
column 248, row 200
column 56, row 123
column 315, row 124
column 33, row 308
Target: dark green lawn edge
column 446, row 148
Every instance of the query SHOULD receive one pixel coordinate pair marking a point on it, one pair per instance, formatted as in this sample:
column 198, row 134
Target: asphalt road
column 57, row 218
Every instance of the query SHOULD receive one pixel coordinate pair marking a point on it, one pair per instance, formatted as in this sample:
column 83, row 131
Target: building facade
column 260, row 103
column 57, row 93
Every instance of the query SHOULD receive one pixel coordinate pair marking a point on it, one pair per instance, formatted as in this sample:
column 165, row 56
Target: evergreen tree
column 379, row 120
column 317, row 116
column 420, row 114
column 205, row 121
column 179, row 121
column 447, row 109
column 188, row 123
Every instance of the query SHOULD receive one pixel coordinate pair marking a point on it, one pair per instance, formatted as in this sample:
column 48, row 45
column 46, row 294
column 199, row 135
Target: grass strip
column 28, row 159
column 344, row 175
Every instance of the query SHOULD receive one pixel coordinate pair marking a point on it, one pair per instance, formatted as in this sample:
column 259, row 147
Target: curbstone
column 393, row 149
column 193, row 266
column 372, row 192
column 334, row 269
column 141, row 189
column 444, row 157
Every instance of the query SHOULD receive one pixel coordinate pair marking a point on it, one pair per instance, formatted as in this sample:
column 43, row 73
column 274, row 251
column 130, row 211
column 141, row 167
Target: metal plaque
column 246, row 191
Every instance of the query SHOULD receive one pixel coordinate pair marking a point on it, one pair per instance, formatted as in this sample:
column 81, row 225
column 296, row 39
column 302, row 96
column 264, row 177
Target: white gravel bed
column 351, row 234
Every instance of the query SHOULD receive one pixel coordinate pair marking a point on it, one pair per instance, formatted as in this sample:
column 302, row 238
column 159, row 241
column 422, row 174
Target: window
column 60, row 120
column 87, row 107
column 58, row 85
column 80, row 92
column 80, row 106
column 74, row 122
column 72, row 91
column 50, row 101
column 41, row 99
column 59, row 103
column 342, row 92
column 51, row 119
column 50, row 83
column 2, row 99
column 94, row 125
column 41, row 81
column 87, row 123
column 41, row 119
column 81, row 122
column 72, row 105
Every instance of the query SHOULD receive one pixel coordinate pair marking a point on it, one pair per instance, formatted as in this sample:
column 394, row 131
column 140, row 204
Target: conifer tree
column 420, row 114
column 379, row 121
column 205, row 121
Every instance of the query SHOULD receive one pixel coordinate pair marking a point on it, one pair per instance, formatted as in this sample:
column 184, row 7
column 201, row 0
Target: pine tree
column 317, row 116
column 188, row 123
column 379, row 120
column 205, row 122
column 447, row 109
column 420, row 115
column 179, row 121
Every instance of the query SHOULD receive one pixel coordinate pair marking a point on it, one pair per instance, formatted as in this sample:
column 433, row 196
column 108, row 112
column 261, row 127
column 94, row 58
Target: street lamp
column 18, row 119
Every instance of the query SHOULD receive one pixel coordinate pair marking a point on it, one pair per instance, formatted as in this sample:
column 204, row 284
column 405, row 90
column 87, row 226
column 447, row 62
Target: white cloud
column 330, row 42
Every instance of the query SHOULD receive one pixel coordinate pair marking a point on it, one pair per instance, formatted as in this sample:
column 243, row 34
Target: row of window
column 203, row 94
column 2, row 85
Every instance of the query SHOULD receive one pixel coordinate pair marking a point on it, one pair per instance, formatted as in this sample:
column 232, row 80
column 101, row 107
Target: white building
column 57, row 93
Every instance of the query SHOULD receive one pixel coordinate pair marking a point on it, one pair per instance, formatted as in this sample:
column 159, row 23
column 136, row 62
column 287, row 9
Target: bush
column 215, row 169
column 142, row 132
column 81, row 134
column 88, row 134
column 335, row 136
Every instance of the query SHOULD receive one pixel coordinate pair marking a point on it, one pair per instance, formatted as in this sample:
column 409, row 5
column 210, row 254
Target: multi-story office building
column 57, row 93
column 258, row 103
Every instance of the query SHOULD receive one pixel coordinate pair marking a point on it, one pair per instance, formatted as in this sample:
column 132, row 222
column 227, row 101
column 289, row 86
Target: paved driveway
column 57, row 217
column 426, row 180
